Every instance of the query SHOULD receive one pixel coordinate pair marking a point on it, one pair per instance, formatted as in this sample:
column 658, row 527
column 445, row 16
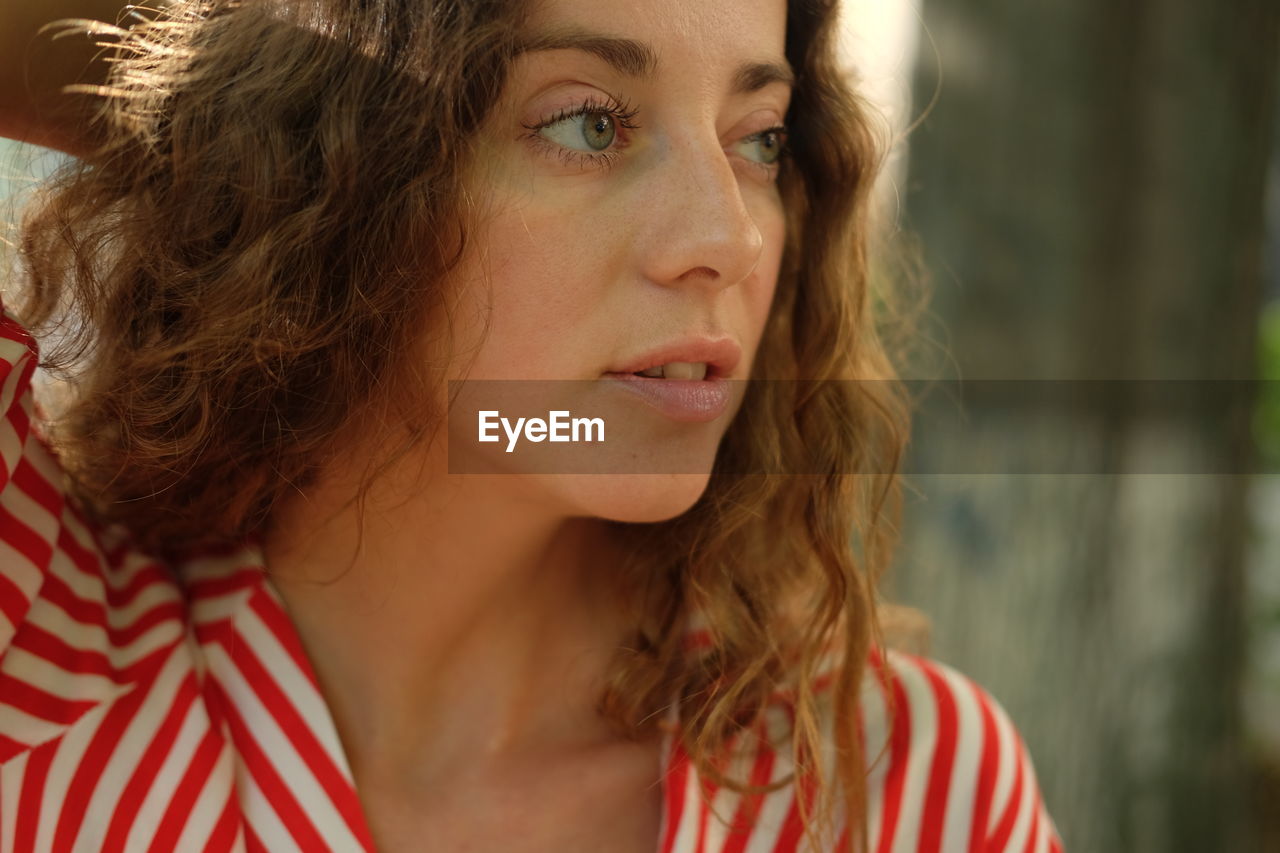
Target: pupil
column 600, row 131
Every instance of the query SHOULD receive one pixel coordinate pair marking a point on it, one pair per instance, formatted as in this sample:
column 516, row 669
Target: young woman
column 249, row 602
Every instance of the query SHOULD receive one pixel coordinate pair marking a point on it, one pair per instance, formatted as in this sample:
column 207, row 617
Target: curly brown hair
column 234, row 275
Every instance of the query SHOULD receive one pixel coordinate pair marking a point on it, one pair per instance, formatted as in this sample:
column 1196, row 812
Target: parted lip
column 721, row 356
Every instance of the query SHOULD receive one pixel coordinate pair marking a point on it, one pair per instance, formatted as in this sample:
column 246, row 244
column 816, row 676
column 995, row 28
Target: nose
column 701, row 228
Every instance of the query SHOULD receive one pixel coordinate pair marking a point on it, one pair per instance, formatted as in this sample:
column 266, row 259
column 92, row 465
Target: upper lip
column 721, row 356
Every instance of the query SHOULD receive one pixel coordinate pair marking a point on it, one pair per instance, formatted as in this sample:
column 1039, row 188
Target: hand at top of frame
column 34, row 68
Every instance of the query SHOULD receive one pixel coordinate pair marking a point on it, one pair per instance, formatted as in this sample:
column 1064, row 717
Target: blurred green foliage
column 1266, row 426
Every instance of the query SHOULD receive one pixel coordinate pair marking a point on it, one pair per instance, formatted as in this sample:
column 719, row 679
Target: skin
column 35, row 66
column 462, row 648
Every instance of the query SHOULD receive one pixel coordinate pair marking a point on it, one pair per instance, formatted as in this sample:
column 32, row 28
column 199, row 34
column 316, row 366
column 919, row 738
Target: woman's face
column 629, row 173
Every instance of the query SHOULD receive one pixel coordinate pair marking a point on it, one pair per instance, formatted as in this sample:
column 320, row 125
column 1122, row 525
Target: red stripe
column 748, row 811
column 10, row 747
column 675, row 781
column 225, row 831
column 340, row 790
column 707, row 790
column 57, row 591
column 43, row 493
column 32, row 796
column 1033, row 837
column 223, row 585
column 92, row 762
column 39, row 703
column 135, row 790
column 23, row 539
column 12, row 330
column 86, row 561
column 986, row 773
column 1005, row 828
column 80, row 662
column 184, row 796
column 944, row 758
column 252, row 843
column 276, row 619
column 142, row 580
column 268, row 778
column 50, row 647
column 792, row 828
column 14, row 603
column 162, row 612
column 899, row 751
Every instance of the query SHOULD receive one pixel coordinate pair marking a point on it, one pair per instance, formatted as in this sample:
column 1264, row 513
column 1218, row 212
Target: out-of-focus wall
column 1088, row 193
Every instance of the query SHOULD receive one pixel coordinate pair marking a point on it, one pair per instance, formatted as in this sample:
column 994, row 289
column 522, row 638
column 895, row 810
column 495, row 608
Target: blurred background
column 1091, row 191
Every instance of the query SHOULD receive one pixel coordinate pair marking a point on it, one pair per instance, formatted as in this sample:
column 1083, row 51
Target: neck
column 457, row 624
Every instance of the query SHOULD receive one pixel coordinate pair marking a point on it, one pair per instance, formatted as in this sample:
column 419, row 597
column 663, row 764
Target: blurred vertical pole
column 1089, row 195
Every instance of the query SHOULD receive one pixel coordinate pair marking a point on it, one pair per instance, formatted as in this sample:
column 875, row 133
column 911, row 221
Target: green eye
column 596, row 129
column 769, row 143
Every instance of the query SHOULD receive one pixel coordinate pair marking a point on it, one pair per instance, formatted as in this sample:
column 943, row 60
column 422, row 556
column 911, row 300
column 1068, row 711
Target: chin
column 632, row 498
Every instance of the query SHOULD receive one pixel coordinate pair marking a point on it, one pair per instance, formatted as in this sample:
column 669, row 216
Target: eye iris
column 771, row 144
column 598, row 130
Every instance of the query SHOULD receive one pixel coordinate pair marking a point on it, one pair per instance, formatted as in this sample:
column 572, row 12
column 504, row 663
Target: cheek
column 529, row 292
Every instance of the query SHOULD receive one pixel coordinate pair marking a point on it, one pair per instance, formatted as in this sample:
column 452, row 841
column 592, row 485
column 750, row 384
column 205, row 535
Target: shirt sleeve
column 24, row 553
column 954, row 776
column 1010, row 812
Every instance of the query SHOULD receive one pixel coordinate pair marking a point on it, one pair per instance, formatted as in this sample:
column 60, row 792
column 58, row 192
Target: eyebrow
column 633, row 58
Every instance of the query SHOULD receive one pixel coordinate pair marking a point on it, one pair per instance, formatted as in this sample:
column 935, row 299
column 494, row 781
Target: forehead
column 666, row 36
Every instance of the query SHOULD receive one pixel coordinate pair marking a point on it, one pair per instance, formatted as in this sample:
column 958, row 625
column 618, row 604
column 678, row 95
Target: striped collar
column 265, row 697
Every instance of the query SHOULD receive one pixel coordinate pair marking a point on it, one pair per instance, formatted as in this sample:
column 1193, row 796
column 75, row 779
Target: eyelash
column 623, row 114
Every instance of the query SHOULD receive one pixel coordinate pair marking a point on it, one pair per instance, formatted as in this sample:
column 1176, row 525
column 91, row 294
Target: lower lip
column 686, row 400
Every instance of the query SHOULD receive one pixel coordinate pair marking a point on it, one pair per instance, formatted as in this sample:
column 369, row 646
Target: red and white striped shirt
column 142, row 712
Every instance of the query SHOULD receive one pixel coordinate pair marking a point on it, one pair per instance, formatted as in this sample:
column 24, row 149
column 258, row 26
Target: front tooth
column 685, row 370
column 655, row 372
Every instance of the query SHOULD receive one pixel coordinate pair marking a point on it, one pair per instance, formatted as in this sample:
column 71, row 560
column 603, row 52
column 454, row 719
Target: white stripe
column 279, row 750
column 127, row 753
column 1042, row 843
column 72, row 528
column 1022, row 826
column 26, row 577
column 924, row 737
column 208, row 609
column 1007, row 753
column 776, row 805
column 724, row 805
column 32, row 514
column 962, row 788
column 38, row 672
column 875, row 721
column 195, row 724
column 259, row 814
column 129, row 563
column 26, row 728
column 687, row 834
column 11, row 779
column 209, row 804
column 68, row 756
column 295, row 685
column 45, row 465
column 15, row 354
column 10, row 445
column 93, row 637
column 93, row 590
